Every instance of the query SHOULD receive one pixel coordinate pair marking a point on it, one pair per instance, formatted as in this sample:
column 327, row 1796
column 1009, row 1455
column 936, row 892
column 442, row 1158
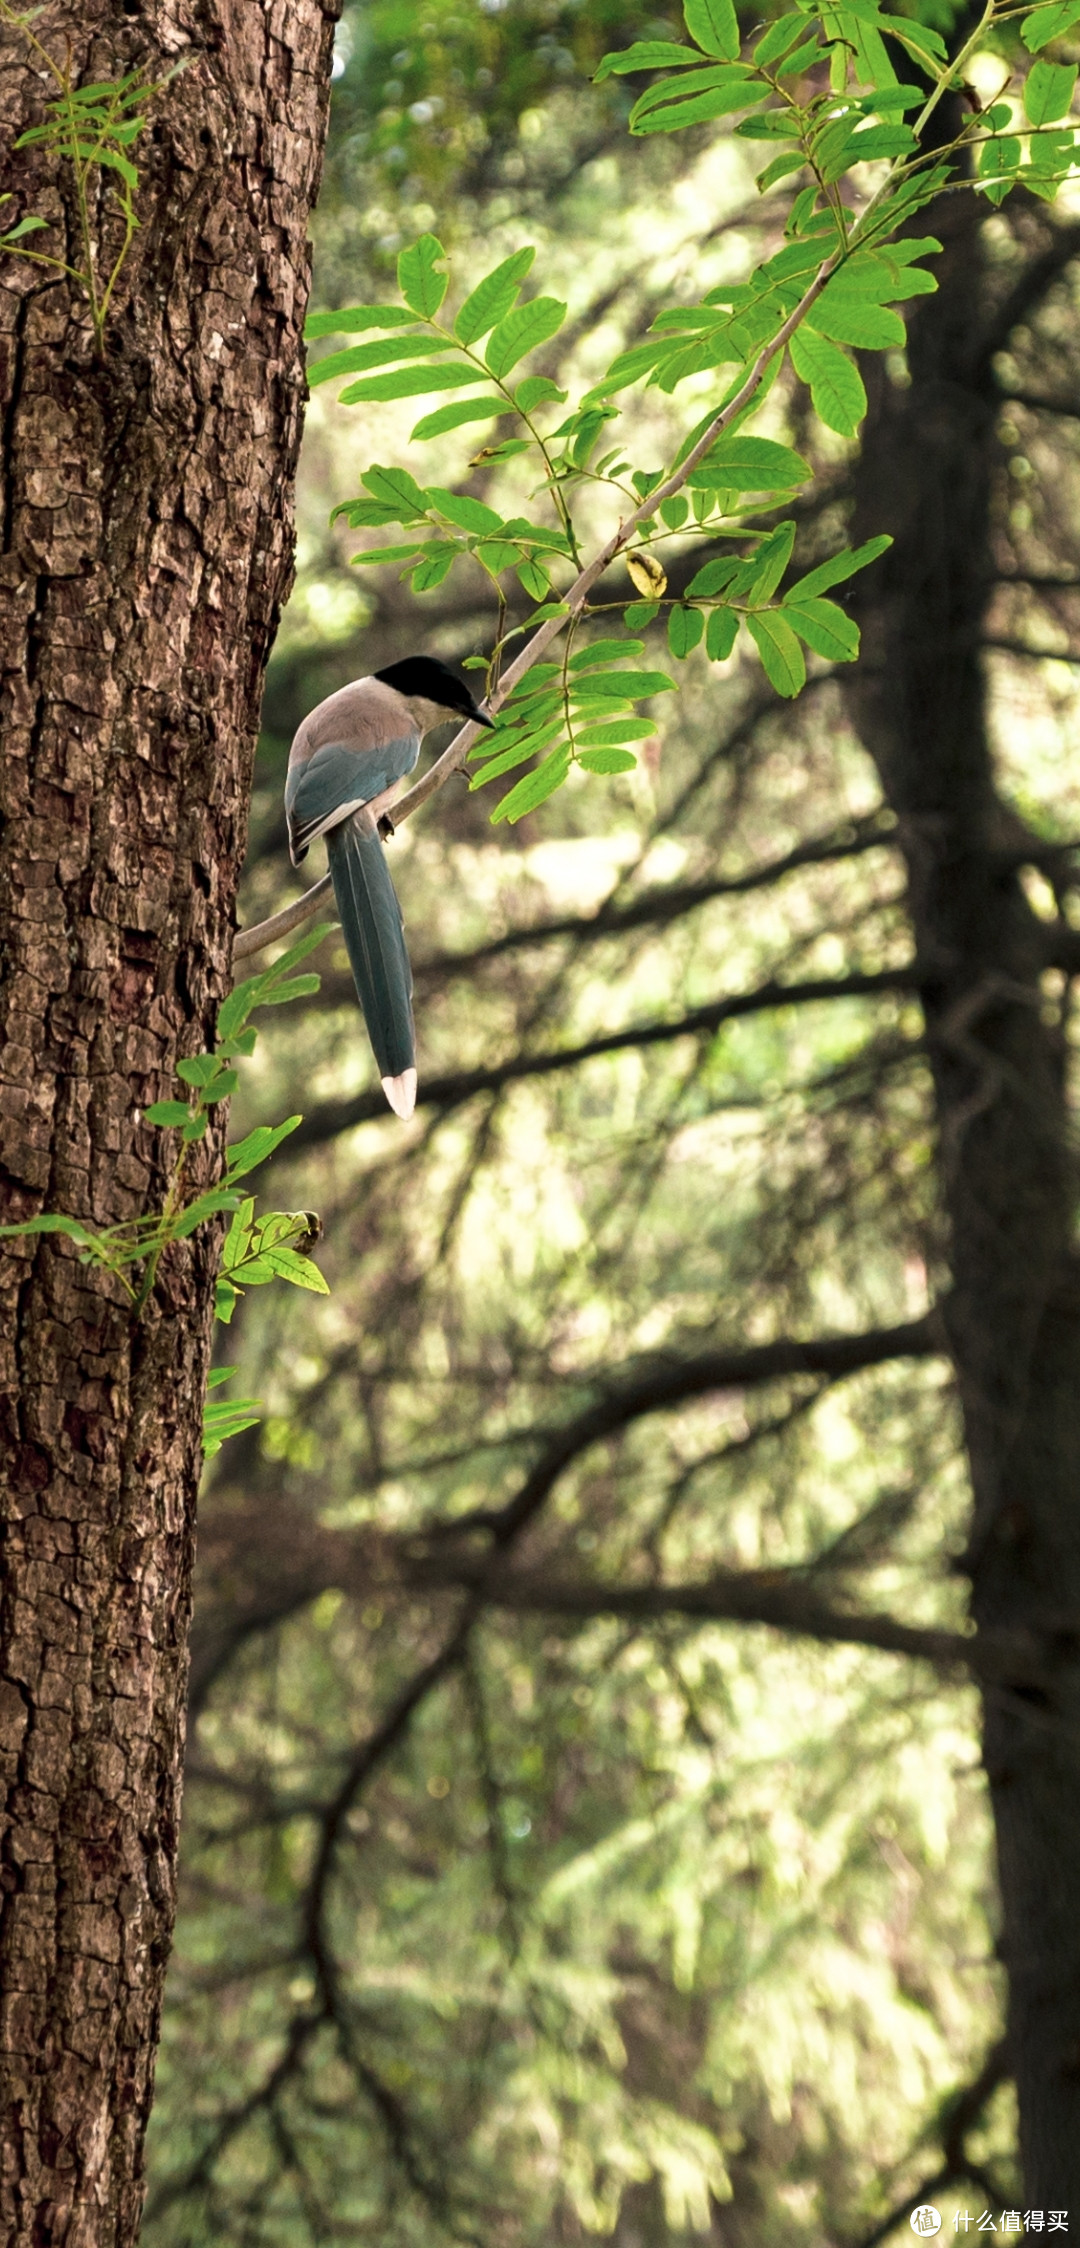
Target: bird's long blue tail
column 375, row 936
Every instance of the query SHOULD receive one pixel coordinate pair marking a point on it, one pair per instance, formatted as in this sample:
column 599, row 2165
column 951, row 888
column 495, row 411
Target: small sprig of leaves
column 255, row 1250
column 820, row 85
column 93, row 129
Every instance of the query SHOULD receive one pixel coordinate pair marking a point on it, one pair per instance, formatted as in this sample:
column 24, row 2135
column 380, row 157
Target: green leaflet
column 246, row 1154
column 394, row 487
column 523, row 330
column 537, row 390
column 734, row 75
column 419, row 279
column 1048, row 90
column 468, row 514
column 603, row 652
column 825, row 628
column 493, row 297
column 632, row 686
column 409, row 382
column 713, row 23
column 357, row 356
column 517, row 752
column 836, row 385
column 769, row 563
column 780, row 652
column 535, row 788
column 685, row 628
column 779, row 39
column 999, row 162
column 645, row 54
column 675, row 115
column 847, row 319
column 841, row 567
column 749, row 464
column 714, row 576
column 1049, row 23
column 720, row 634
column 168, row 1114
column 356, row 318
column 620, row 730
column 779, row 169
column 456, row 415
column 433, row 566
column 607, row 760
column 535, row 580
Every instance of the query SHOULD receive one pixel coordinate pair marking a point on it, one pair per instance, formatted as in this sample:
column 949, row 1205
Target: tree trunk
column 996, row 1054
column 144, row 557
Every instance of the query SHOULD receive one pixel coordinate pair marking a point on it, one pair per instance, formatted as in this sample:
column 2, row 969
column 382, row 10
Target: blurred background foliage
column 536, row 1927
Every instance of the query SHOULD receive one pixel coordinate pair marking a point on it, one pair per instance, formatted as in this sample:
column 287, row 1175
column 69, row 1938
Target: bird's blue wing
column 336, row 780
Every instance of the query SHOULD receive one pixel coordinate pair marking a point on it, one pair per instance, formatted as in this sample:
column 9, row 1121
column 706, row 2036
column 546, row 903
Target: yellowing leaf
column 646, row 574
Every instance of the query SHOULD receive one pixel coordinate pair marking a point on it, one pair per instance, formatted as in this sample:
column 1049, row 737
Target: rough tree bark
column 1008, row 1174
column 144, row 557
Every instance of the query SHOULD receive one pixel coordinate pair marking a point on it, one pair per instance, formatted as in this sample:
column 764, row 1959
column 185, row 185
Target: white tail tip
column 401, row 1093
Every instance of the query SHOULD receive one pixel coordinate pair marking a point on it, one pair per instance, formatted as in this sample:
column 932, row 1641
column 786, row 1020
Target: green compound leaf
column 1048, row 90
column 493, row 297
column 607, row 760
column 780, row 652
column 522, row 331
column 836, row 385
column 825, row 628
column 713, row 23
column 421, row 283
column 535, row 788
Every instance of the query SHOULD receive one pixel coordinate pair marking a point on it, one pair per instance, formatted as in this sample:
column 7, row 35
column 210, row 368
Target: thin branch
column 729, row 1596
column 1020, row 648
column 660, row 1383
column 449, row 1092
column 1069, row 408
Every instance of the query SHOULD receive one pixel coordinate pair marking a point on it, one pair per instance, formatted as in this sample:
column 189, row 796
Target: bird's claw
column 386, row 826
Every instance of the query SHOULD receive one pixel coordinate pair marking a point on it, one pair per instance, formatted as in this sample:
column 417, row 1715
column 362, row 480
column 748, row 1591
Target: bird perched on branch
column 345, row 763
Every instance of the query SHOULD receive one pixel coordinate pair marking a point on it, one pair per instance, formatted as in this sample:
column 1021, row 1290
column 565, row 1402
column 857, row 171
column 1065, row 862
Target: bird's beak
column 480, row 718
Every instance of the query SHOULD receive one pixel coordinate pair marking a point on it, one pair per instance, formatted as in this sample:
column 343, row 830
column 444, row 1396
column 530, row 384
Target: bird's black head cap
column 427, row 676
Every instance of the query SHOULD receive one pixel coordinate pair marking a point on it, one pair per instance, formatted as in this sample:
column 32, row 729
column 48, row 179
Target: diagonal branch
column 663, row 1382
column 781, row 1599
column 449, row 1092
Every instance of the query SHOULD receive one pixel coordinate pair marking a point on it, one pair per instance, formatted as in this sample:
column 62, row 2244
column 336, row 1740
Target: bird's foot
column 386, row 826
